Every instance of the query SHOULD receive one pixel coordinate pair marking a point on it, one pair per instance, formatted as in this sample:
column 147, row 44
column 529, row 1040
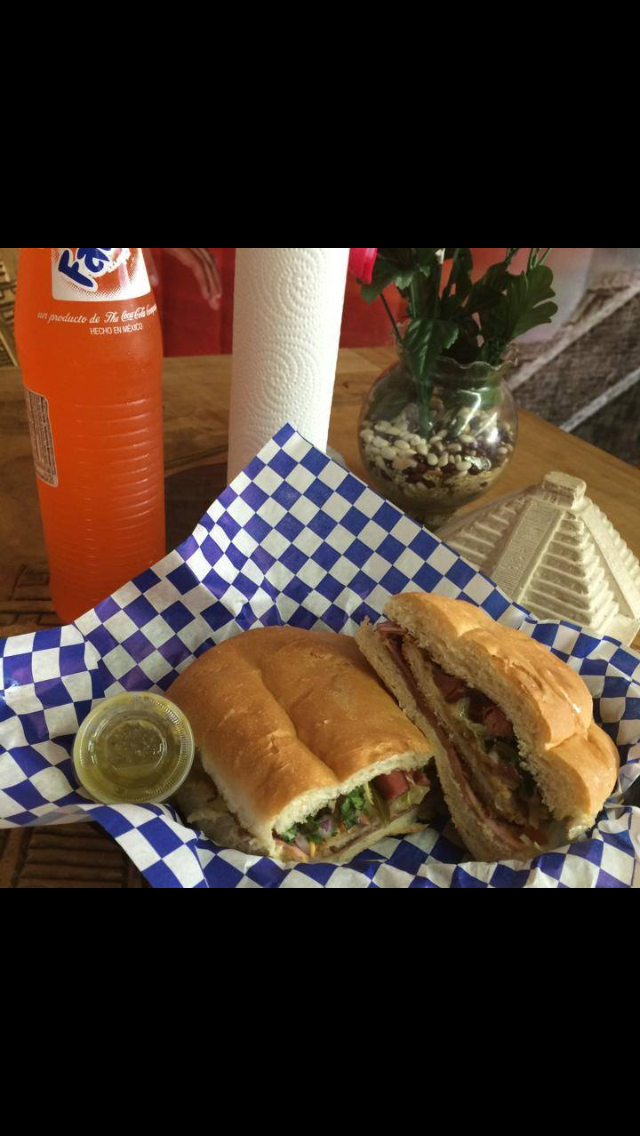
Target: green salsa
column 133, row 749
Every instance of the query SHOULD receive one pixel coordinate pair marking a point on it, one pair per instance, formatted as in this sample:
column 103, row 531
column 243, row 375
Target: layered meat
column 481, row 744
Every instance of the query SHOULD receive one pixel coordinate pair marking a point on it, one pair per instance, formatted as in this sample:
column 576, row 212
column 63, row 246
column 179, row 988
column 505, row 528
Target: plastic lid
column 133, row 749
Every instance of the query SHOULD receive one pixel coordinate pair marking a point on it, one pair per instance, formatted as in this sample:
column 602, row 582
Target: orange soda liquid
column 90, row 349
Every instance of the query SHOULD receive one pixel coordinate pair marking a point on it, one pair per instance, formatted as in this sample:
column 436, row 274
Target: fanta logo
column 86, row 266
column 98, row 275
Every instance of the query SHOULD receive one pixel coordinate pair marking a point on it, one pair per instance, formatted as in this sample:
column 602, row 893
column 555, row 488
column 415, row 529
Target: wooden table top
column 196, row 428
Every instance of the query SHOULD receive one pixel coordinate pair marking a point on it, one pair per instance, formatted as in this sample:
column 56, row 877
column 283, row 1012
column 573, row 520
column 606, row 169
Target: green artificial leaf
column 524, row 304
column 450, row 308
column 402, row 257
column 466, row 349
column 536, row 306
column 543, row 313
column 465, row 320
column 492, row 309
column 483, row 297
column 404, row 279
column 493, row 282
column 429, row 276
column 461, row 269
column 425, row 340
column 385, row 273
column 425, row 257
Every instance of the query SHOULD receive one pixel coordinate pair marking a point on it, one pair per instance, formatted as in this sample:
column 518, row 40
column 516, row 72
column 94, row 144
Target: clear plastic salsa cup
column 133, row 749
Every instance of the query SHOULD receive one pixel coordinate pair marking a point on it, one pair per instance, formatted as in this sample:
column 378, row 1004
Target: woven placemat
column 65, row 856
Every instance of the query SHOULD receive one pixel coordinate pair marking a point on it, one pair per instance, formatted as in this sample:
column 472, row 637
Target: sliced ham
column 510, row 833
column 478, row 704
column 507, row 832
column 497, row 723
column 451, row 688
column 394, row 646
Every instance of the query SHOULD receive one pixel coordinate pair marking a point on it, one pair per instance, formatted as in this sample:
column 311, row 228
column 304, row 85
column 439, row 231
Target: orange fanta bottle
column 90, row 350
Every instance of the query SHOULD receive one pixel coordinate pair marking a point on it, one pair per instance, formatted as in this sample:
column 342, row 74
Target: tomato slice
column 391, row 785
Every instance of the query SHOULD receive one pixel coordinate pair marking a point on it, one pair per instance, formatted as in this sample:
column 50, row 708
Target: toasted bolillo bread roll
column 303, row 754
column 522, row 764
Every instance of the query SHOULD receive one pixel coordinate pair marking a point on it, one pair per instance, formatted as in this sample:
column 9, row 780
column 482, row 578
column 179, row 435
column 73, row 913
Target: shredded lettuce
column 381, row 805
column 479, row 728
column 414, row 795
column 462, row 709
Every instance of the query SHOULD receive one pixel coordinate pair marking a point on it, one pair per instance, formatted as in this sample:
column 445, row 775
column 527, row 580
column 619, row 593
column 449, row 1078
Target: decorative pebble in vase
column 431, row 465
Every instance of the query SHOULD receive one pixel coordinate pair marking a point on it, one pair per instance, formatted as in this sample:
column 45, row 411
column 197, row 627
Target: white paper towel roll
column 286, row 333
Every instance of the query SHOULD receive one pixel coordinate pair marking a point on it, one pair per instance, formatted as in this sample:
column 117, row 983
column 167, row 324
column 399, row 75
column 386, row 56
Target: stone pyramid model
column 555, row 552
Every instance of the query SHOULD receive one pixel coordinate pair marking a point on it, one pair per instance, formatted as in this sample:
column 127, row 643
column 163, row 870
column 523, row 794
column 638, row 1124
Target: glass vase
column 433, row 450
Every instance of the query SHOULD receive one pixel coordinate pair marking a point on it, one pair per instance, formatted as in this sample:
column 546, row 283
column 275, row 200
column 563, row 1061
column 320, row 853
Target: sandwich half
column 302, row 753
column 522, row 764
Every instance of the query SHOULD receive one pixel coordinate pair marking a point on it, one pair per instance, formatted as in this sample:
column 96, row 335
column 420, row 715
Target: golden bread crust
column 286, row 720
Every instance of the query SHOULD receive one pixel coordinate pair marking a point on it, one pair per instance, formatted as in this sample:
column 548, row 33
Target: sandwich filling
column 482, row 748
column 369, row 807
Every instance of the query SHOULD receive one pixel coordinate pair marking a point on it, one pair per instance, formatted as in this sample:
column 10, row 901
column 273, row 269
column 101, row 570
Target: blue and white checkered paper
column 297, row 540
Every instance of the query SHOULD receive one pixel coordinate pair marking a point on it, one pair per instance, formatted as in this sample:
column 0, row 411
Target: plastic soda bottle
column 90, row 350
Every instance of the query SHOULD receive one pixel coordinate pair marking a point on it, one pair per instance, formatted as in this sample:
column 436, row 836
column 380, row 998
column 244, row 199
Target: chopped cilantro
column 312, row 831
column 351, row 806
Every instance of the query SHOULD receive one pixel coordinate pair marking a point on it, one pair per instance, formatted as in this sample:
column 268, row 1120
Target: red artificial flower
column 361, row 263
